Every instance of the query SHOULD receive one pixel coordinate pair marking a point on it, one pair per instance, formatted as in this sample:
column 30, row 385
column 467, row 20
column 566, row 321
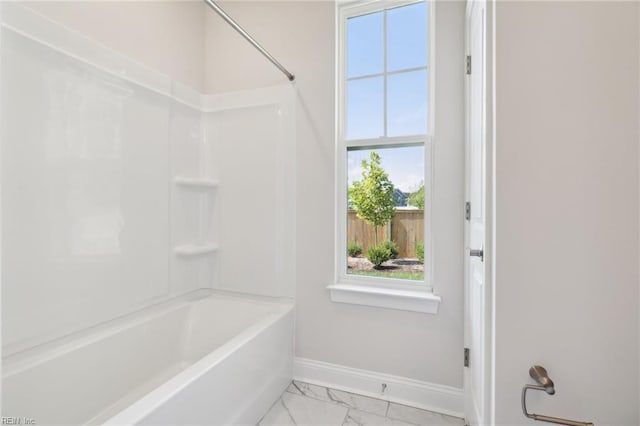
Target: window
column 383, row 155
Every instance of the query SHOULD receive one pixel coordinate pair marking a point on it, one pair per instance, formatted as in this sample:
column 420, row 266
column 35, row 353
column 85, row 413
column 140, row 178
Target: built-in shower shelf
column 195, row 249
column 196, row 183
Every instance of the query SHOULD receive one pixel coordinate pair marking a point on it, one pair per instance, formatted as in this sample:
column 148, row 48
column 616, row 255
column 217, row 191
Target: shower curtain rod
column 250, row 39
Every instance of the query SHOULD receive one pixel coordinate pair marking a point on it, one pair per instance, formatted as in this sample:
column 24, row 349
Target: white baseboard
column 416, row 393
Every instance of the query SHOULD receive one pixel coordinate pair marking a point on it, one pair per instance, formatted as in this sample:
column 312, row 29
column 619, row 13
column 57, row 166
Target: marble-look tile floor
column 306, row 404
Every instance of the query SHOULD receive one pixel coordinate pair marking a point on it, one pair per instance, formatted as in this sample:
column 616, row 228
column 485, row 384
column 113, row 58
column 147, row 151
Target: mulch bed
column 396, row 265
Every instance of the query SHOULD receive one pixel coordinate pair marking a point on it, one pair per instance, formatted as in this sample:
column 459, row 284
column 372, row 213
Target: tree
column 416, row 198
column 372, row 197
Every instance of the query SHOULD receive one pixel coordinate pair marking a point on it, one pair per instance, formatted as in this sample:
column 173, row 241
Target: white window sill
column 406, row 300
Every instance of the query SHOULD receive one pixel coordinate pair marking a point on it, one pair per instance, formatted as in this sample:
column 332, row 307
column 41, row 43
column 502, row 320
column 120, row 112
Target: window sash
column 341, row 203
column 398, row 141
column 375, row 6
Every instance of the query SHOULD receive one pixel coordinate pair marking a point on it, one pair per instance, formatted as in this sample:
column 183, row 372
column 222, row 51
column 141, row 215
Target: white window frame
column 377, row 291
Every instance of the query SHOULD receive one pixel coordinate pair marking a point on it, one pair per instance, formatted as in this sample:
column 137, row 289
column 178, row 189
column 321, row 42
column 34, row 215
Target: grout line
column 386, row 413
column 311, row 396
column 346, row 416
column 269, row 410
column 295, row 385
column 287, row 410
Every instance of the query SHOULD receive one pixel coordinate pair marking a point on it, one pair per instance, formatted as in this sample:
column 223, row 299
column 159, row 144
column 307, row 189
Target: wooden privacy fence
column 406, row 229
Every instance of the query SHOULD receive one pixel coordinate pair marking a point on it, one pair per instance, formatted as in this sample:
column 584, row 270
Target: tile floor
column 306, row 404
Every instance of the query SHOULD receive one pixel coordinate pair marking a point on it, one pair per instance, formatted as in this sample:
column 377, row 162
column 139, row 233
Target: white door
column 475, row 271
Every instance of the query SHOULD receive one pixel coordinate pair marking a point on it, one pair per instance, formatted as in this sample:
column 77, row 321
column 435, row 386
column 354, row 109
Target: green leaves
column 416, row 198
column 392, row 247
column 420, row 252
column 378, row 255
column 372, row 197
column 354, row 249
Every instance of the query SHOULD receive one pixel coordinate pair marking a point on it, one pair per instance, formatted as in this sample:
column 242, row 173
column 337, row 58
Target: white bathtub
column 204, row 359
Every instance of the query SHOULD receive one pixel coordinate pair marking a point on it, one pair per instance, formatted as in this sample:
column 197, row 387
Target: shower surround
column 136, row 211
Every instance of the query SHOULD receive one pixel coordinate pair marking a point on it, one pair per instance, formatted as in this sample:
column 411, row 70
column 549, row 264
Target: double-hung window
column 384, row 154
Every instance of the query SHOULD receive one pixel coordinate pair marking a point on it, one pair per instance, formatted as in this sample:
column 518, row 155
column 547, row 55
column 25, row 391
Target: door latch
column 477, row 253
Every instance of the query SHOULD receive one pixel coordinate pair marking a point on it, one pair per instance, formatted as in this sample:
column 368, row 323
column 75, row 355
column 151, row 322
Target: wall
column 567, row 208
column 302, row 36
column 167, row 36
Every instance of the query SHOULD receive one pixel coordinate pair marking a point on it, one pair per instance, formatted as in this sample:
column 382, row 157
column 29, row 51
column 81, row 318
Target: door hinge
column 467, row 210
column 468, row 64
column 466, row 357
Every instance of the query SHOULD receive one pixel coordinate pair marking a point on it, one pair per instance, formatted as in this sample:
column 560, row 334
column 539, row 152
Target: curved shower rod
column 250, row 39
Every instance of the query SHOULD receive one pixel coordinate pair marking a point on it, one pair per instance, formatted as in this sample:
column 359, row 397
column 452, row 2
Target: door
column 475, row 374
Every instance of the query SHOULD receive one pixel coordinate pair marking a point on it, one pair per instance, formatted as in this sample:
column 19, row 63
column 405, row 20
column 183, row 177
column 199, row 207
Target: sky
column 406, row 114
column 405, row 166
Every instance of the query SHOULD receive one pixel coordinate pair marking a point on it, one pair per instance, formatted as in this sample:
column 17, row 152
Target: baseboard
column 429, row 396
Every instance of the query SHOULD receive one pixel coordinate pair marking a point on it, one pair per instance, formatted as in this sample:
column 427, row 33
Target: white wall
column 167, row 36
column 302, row 36
column 567, row 208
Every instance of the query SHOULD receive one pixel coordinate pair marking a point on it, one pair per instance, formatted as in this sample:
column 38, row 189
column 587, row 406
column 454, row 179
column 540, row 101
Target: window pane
column 365, row 44
column 365, row 108
column 394, row 201
column 407, row 103
column 407, row 37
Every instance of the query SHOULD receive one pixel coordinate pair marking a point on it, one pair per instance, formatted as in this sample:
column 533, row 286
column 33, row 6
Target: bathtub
column 207, row 358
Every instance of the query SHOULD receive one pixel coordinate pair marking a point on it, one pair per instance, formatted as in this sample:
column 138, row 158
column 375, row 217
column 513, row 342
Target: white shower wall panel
column 191, row 207
column 251, row 146
column 86, row 138
column 84, row 185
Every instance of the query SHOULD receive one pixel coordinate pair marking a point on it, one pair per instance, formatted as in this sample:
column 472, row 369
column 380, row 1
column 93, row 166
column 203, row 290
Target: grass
column 401, row 275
